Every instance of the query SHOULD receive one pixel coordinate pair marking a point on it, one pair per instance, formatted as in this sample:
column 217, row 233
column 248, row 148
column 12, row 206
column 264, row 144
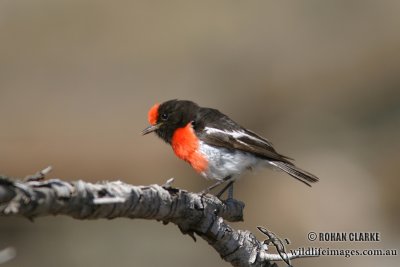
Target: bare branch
column 192, row 213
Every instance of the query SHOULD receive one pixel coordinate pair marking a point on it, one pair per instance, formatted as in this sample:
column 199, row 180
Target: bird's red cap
column 153, row 114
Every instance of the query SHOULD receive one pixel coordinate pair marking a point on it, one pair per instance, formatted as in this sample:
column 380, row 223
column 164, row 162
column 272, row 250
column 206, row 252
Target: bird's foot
column 204, row 192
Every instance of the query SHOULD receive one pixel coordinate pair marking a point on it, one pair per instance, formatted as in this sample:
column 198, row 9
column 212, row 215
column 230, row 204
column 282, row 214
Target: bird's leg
column 208, row 189
column 230, row 191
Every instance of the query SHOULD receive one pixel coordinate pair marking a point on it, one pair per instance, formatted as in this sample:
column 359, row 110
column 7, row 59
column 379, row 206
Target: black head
column 165, row 118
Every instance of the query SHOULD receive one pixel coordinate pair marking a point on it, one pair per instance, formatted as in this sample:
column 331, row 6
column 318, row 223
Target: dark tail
column 299, row 174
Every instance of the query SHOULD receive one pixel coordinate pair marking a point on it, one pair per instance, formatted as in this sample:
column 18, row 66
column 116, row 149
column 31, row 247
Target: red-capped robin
column 214, row 145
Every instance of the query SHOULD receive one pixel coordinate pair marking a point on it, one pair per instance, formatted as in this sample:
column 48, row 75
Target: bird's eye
column 164, row 116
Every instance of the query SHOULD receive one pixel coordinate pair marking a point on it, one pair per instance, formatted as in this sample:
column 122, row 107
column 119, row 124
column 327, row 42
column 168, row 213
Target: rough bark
column 193, row 213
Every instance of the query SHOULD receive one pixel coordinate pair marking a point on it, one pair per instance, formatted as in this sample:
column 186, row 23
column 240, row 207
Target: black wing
column 217, row 129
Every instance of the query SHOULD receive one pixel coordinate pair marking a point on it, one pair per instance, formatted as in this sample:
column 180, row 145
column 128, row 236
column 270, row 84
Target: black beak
column 151, row 128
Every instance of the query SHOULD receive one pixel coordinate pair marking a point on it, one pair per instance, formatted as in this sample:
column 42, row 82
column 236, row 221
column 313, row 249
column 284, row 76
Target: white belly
column 223, row 162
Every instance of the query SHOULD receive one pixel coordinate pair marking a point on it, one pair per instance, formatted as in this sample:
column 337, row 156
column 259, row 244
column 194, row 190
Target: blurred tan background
column 321, row 79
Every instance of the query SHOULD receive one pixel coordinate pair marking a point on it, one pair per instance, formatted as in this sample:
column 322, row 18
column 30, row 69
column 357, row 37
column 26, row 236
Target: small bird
column 214, row 145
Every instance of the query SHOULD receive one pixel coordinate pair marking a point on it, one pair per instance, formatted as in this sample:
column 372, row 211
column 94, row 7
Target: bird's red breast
column 153, row 114
column 186, row 146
